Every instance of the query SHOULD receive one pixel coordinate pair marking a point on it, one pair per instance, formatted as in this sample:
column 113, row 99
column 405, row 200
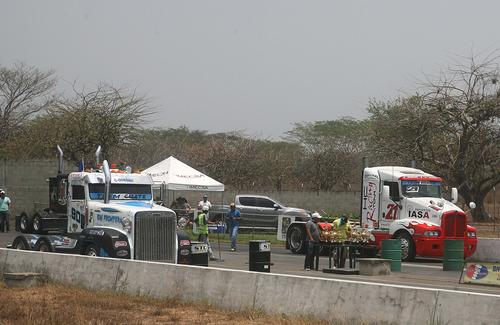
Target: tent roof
column 178, row 176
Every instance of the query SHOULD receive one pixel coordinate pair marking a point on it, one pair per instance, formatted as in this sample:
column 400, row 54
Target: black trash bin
column 259, row 255
column 199, row 254
column 367, row 251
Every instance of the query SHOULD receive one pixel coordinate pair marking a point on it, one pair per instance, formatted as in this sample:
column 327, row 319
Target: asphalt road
column 421, row 273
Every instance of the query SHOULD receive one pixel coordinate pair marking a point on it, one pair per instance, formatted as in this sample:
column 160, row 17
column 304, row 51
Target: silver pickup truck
column 258, row 212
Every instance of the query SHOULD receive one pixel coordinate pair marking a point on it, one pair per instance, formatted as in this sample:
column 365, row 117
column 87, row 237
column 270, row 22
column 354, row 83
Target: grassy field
column 61, row 304
column 243, row 237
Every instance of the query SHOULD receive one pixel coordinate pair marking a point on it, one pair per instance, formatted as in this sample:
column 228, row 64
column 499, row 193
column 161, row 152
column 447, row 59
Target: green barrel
column 453, row 259
column 391, row 249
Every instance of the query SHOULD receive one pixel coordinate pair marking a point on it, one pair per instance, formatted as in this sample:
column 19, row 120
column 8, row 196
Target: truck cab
column 127, row 209
column 110, row 213
column 407, row 204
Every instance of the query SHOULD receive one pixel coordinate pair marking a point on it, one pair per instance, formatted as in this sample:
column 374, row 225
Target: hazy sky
column 256, row 66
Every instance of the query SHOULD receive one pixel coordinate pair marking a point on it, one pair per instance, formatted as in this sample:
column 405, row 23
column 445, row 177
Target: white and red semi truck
column 407, row 203
column 400, row 203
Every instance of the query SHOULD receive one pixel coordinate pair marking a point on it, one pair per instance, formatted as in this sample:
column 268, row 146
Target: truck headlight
column 126, row 224
column 431, row 233
column 471, row 234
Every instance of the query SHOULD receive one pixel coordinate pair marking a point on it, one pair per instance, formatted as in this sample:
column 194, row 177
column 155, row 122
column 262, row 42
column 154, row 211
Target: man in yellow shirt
column 343, row 229
column 202, row 225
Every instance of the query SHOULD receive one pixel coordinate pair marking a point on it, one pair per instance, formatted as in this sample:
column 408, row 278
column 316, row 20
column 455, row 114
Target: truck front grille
column 454, row 225
column 155, row 236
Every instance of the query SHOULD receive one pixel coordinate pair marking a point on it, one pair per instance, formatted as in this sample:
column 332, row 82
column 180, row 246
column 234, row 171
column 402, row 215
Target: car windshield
column 121, row 192
column 421, row 189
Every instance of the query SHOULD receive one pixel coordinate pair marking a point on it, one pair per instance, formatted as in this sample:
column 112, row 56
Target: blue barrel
column 391, row 249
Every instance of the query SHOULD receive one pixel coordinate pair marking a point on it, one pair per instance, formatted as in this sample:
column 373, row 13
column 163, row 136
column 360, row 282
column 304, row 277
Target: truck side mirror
column 276, row 207
column 454, row 195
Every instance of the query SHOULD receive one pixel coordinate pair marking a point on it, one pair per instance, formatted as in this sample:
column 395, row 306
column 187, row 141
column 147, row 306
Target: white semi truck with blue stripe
column 107, row 213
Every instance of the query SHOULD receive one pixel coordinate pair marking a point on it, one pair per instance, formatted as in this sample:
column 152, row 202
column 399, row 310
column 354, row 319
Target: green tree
column 332, row 151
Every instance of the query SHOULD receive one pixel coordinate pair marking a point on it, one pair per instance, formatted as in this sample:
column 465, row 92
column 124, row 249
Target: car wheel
column 407, row 246
column 91, row 250
column 24, row 223
column 296, row 239
column 20, row 243
column 37, row 224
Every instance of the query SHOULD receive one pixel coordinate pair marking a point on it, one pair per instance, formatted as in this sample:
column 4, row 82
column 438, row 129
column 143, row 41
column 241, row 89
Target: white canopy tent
column 178, row 176
column 172, row 175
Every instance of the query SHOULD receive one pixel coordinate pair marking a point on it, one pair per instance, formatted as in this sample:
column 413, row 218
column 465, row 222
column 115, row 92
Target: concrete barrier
column 488, row 250
column 328, row 299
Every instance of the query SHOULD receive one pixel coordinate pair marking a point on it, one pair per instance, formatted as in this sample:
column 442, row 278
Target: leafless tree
column 24, row 92
column 452, row 127
column 105, row 116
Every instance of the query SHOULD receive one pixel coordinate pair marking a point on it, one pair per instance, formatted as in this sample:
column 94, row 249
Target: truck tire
column 43, row 246
column 296, row 238
column 24, row 223
column 407, row 246
column 37, row 224
column 20, row 243
column 91, row 250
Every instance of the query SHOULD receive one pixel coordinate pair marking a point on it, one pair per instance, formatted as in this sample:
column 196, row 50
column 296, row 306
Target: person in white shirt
column 204, row 203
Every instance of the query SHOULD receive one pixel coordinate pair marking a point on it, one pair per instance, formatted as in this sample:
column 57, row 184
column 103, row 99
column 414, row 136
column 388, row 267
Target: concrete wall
column 488, row 250
column 25, row 182
column 328, row 299
column 338, row 202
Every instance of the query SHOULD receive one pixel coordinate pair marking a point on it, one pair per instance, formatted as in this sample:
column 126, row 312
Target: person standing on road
column 202, row 226
column 312, row 242
column 4, row 212
column 343, row 229
column 233, row 221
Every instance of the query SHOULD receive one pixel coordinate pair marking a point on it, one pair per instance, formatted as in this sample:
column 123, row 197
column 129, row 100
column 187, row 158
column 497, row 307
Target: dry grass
column 60, row 304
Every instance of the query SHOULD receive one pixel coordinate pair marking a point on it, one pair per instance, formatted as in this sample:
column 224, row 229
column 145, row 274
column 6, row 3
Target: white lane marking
column 424, row 266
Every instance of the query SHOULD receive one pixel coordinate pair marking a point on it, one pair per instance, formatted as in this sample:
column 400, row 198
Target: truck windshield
column 121, row 192
column 421, row 189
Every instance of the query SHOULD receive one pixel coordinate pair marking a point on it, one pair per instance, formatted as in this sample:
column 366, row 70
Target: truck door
column 77, row 208
column 370, row 202
column 389, row 205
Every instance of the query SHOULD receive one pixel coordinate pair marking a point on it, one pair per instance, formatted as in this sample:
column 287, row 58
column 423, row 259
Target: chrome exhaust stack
column 107, row 180
column 61, row 161
column 97, row 155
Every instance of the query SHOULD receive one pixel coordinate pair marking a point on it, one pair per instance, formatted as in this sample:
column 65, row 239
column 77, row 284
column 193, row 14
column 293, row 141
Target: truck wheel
column 24, row 223
column 20, row 243
column 407, row 246
column 91, row 250
column 296, row 239
column 37, row 224
column 42, row 246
